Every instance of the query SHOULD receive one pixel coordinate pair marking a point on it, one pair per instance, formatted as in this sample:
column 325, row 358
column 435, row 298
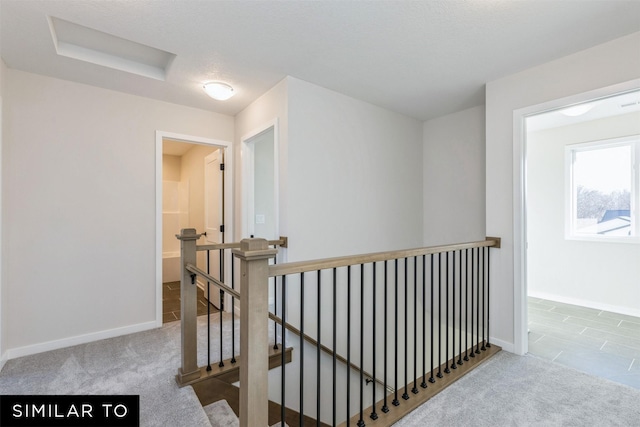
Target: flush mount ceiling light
column 218, row 90
column 577, row 110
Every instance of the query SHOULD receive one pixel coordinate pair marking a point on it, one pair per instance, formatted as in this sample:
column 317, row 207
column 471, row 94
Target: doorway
column 581, row 235
column 260, row 187
column 181, row 186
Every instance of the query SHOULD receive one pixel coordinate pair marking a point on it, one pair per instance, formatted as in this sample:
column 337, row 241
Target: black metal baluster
column 335, row 330
column 473, row 273
column 395, row 401
column 478, row 301
column 302, row 349
column 318, row 352
column 374, row 415
column 431, row 379
column 466, row 304
column 275, row 312
column 233, row 313
column 385, row 407
column 221, row 254
column 209, row 315
column 361, row 421
column 283, row 352
column 405, row 395
column 460, row 321
column 446, row 303
column 424, row 322
column 439, row 374
column 414, row 390
column 348, row 343
column 483, row 301
column 488, row 298
column 453, row 309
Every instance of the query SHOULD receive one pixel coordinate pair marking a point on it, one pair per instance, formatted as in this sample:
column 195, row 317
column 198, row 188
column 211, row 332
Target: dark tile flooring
column 597, row 342
column 171, row 302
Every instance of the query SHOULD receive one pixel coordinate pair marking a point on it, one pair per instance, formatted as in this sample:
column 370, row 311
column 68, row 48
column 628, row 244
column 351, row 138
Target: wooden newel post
column 189, row 370
column 254, row 255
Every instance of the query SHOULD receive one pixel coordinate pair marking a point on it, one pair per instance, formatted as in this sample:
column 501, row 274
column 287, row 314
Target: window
column 603, row 185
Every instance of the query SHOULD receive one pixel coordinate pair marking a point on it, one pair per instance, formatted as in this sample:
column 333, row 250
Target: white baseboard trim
column 28, row 350
column 585, row 303
column 3, row 360
column 506, row 346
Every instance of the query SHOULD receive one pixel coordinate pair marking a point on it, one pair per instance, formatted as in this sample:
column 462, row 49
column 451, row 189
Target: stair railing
column 215, row 277
column 438, row 292
column 418, row 319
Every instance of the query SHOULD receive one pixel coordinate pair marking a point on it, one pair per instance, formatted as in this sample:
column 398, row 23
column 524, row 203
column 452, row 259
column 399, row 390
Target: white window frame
column 633, row 142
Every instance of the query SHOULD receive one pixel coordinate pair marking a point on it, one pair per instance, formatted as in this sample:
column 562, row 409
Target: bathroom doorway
column 182, row 185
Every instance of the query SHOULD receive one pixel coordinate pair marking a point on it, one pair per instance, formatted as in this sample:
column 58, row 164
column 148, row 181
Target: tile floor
column 597, row 342
column 171, row 302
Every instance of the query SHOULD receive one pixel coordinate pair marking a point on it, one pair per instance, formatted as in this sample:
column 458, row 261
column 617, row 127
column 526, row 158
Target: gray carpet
column 511, row 390
column 144, row 363
column 507, row 390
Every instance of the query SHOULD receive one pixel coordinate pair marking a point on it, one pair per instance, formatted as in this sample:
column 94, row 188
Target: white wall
column 350, row 173
column 454, row 178
column 79, row 208
column 3, row 300
column 354, row 186
column 593, row 274
column 603, row 65
column 354, row 173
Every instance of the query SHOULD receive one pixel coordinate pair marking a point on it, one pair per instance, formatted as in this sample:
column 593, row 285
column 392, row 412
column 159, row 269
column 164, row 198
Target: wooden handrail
column 282, row 242
column 327, row 350
column 328, row 263
column 195, row 270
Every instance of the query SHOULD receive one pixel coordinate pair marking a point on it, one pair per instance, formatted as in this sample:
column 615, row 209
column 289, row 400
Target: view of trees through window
column 602, row 177
column 593, row 203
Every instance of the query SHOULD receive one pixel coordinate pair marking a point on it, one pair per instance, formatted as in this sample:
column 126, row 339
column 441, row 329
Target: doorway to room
column 190, row 194
column 582, row 237
column 260, row 189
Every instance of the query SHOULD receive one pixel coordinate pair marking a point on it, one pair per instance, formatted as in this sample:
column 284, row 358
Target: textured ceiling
column 420, row 58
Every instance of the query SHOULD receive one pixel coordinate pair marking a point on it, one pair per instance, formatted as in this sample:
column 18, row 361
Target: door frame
column 248, row 175
column 227, row 146
column 520, row 290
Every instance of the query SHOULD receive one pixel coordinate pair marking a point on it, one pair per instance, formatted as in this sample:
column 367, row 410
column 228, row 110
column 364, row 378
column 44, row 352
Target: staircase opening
column 361, row 340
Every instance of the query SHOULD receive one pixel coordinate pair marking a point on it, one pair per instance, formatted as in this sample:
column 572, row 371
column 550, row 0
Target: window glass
column 602, row 185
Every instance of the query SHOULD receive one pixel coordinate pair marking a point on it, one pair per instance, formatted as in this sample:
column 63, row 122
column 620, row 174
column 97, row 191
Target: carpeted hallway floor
column 506, row 390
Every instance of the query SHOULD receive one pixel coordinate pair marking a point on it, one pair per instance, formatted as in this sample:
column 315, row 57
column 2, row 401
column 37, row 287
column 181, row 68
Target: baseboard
column 3, row 360
column 585, row 303
column 506, row 346
column 28, row 350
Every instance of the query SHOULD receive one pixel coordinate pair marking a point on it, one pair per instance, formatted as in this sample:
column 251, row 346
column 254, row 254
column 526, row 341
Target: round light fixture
column 577, row 110
column 218, row 90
